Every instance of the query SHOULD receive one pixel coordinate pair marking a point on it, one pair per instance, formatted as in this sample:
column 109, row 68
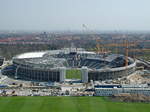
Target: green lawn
column 73, row 74
column 68, row 104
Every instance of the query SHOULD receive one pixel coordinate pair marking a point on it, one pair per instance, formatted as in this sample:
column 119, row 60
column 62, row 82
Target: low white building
column 109, row 91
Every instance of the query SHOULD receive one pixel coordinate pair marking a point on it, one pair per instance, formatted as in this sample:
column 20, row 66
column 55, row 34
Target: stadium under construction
column 51, row 66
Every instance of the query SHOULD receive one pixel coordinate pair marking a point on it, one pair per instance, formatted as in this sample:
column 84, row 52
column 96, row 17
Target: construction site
column 104, row 70
column 52, row 65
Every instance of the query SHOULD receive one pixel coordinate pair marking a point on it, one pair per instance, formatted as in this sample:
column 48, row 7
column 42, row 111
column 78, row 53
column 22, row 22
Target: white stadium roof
column 40, row 54
column 31, row 55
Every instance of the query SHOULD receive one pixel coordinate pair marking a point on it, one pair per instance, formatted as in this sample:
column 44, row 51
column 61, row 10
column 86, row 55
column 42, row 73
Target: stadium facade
column 1, row 60
column 52, row 65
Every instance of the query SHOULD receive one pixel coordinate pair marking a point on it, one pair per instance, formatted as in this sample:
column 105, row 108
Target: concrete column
column 16, row 73
column 62, row 75
column 84, row 71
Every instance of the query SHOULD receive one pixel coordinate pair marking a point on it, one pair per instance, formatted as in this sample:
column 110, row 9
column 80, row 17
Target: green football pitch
column 73, row 74
column 68, row 104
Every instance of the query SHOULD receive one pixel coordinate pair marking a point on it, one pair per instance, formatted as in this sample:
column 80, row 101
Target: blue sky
column 71, row 14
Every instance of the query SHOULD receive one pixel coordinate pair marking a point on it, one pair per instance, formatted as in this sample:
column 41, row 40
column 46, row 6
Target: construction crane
column 99, row 47
column 120, row 44
column 126, row 52
column 125, row 44
column 139, row 50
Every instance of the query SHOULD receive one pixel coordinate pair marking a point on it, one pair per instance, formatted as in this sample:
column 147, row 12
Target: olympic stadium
column 52, row 65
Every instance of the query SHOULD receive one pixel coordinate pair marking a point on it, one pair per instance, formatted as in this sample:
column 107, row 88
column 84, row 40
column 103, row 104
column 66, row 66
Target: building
column 109, row 90
column 52, row 65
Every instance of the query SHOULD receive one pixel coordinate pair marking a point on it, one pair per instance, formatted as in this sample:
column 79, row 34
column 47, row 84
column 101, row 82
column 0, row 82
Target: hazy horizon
column 69, row 15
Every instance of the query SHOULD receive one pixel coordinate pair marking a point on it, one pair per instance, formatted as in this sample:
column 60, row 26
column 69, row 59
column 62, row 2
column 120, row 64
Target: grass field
column 73, row 74
column 68, row 104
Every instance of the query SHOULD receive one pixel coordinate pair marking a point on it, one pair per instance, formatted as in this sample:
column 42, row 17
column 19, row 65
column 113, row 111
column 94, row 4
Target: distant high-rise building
column 44, row 35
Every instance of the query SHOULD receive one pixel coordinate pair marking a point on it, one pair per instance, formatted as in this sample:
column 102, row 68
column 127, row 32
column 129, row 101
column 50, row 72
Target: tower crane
column 99, row 47
column 125, row 44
